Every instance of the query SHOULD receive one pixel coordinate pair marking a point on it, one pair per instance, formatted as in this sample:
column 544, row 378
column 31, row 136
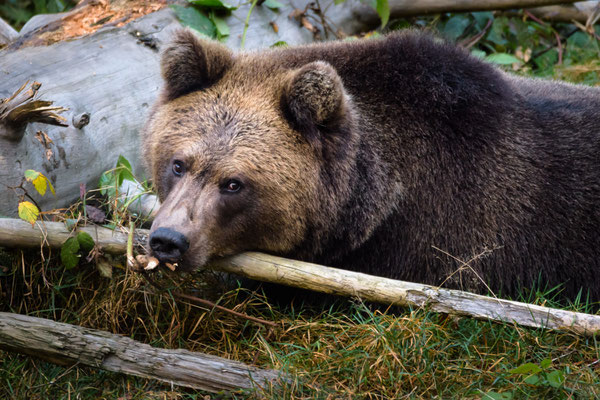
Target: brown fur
column 367, row 155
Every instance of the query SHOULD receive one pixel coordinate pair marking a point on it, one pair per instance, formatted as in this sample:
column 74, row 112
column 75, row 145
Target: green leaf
column 31, row 175
column 456, row 26
column 123, row 162
column 17, row 14
column 545, row 363
column 478, row 53
column 496, row 34
column 196, row 20
column 221, row 26
column 482, row 18
column 217, row 4
column 40, row 6
column 502, row 58
column 280, row 43
column 86, row 243
column 383, row 10
column 491, row 395
column 107, row 183
column 69, row 253
column 527, row 368
column 123, row 171
column 546, row 61
column 556, row 378
column 28, row 212
column 532, row 379
column 274, row 4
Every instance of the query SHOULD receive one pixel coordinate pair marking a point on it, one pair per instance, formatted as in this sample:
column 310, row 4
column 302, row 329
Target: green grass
column 345, row 349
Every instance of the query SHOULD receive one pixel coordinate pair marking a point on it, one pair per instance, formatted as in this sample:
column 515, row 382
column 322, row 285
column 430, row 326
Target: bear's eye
column 232, row 186
column 178, row 168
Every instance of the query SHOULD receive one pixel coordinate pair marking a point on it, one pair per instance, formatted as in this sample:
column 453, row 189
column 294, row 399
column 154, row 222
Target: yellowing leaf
column 28, row 212
column 31, row 175
column 50, row 186
column 39, row 184
column 39, row 181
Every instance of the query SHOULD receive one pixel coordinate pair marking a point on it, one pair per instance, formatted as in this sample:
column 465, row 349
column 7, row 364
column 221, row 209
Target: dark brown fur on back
column 400, row 157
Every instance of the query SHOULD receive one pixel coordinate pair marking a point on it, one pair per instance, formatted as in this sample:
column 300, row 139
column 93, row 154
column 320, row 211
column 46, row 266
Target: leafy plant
column 120, row 196
column 17, row 12
column 73, row 248
column 205, row 17
column 111, row 180
column 28, row 211
column 540, row 375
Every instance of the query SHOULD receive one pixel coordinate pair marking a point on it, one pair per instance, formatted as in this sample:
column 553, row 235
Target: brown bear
column 402, row 156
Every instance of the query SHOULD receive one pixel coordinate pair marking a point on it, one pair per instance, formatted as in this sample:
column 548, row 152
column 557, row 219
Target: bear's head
column 247, row 152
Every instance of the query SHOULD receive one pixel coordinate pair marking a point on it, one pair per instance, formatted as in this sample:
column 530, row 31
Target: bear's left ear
column 314, row 96
column 190, row 64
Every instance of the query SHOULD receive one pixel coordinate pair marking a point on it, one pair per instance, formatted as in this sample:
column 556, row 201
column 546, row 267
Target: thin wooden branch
column 412, row 8
column 323, row 279
column 69, row 344
column 315, row 277
column 404, row 8
column 18, row 233
column 210, row 304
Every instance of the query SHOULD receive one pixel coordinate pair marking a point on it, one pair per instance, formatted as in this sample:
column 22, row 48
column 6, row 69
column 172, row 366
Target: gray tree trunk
column 113, row 78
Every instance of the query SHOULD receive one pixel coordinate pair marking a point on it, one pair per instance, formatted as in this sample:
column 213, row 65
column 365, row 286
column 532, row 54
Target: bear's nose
column 168, row 245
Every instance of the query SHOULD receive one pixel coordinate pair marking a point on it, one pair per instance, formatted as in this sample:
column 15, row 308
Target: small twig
column 550, row 47
column 130, row 259
column 467, row 265
column 560, row 48
column 320, row 14
column 246, row 24
column 472, row 41
column 210, row 304
column 533, row 17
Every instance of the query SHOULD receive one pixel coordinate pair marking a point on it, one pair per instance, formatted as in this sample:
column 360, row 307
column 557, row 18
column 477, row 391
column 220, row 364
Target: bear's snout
column 168, row 245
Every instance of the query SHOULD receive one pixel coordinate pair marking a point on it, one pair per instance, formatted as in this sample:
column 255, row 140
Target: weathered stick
column 315, row 277
column 423, row 7
column 69, row 344
column 411, row 8
column 18, row 233
column 557, row 14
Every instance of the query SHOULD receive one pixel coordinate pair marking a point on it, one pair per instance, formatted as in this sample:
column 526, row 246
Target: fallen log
column 66, row 344
column 262, row 267
column 409, row 8
column 108, row 81
column 7, row 33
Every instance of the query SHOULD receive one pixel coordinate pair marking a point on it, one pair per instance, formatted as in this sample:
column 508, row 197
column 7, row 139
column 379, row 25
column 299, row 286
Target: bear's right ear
column 314, row 96
column 190, row 64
